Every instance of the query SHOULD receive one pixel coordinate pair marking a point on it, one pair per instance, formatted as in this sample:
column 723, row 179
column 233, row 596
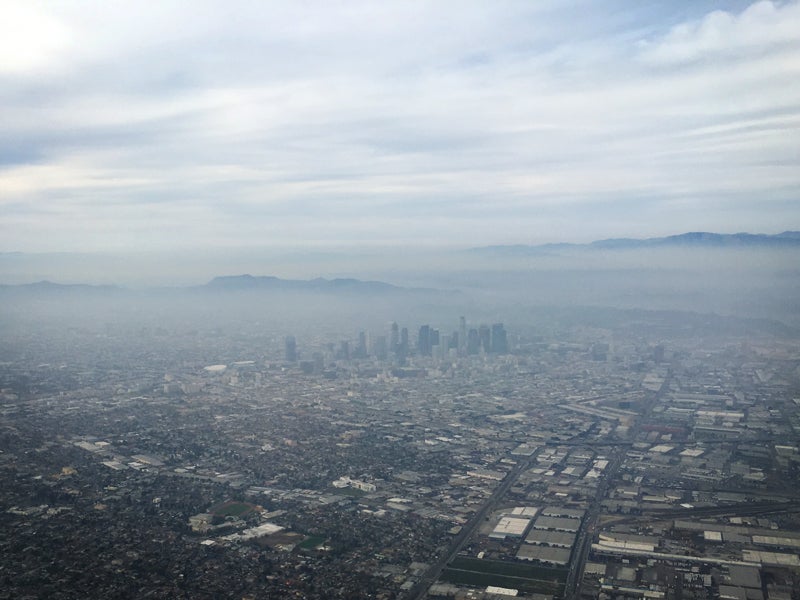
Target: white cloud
column 762, row 27
column 30, row 40
column 284, row 118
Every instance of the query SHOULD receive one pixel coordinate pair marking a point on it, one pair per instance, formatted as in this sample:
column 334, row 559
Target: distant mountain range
column 230, row 283
column 695, row 239
column 50, row 288
column 271, row 284
column 249, row 282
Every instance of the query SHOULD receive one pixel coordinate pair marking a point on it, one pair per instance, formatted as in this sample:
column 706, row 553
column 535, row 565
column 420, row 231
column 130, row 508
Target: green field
column 232, row 509
column 476, row 579
column 312, row 542
column 523, row 577
column 510, row 569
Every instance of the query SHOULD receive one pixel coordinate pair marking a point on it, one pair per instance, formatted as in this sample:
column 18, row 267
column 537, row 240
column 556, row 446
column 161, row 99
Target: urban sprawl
column 465, row 461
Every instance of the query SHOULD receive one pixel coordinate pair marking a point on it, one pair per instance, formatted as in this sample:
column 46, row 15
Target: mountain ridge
column 229, row 283
column 702, row 239
column 318, row 284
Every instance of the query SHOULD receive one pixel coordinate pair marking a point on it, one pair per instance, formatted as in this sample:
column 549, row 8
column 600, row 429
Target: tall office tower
column 486, row 338
column 344, row 351
column 473, row 342
column 499, row 339
column 402, row 347
column 435, row 337
column 462, row 336
column 394, row 339
column 379, row 347
column 361, row 348
column 424, row 340
column 290, row 347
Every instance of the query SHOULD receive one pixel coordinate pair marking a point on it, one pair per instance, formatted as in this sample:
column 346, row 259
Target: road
column 585, row 534
column 583, row 543
column 433, row 573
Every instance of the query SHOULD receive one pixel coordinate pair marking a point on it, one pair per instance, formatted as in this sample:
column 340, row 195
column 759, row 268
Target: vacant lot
column 526, row 578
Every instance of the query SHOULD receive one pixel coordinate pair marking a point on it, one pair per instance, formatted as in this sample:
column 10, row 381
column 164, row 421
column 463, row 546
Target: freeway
column 583, row 543
column 586, row 533
column 742, row 509
column 433, row 573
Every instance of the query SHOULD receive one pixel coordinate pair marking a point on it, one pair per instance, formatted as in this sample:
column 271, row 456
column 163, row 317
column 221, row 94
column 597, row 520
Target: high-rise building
column 462, row 336
column 290, row 349
column 402, row 347
column 485, row 335
column 394, row 338
column 424, row 341
column 473, row 342
column 499, row 339
column 361, row 347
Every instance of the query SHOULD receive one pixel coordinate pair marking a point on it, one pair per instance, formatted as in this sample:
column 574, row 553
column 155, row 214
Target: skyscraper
column 290, row 347
column 499, row 339
column 361, row 348
column 424, row 341
column 402, row 347
column 394, row 338
column 473, row 342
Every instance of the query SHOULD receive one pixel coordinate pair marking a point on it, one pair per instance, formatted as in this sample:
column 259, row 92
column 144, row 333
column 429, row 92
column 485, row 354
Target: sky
column 173, row 126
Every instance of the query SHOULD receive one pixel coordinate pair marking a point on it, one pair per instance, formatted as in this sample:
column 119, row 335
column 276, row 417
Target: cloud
column 30, row 39
column 762, row 27
column 286, row 123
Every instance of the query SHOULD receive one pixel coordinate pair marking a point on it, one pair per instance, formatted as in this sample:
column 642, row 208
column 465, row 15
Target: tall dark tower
column 424, row 340
column 361, row 348
column 379, row 347
column 499, row 339
column 394, row 338
column 462, row 336
column 402, row 347
column 290, row 347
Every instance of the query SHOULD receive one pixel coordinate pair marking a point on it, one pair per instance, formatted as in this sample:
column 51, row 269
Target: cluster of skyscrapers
column 430, row 342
